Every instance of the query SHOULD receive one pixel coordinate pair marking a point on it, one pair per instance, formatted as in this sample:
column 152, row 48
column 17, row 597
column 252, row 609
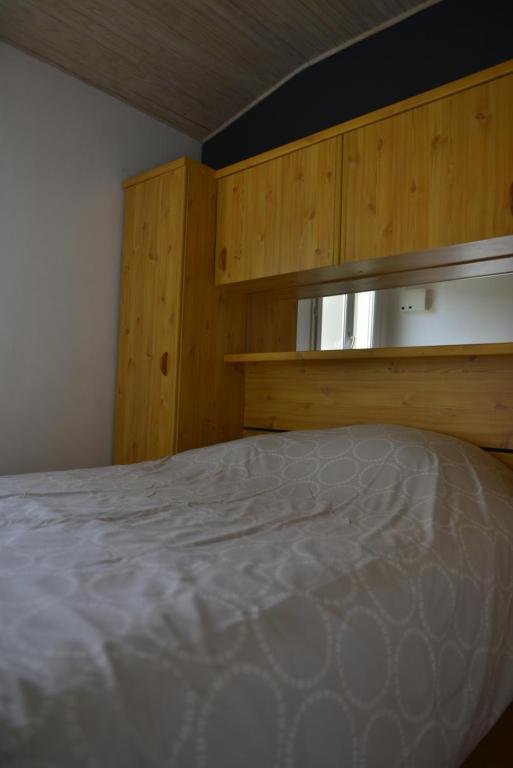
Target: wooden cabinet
column 173, row 390
column 436, row 175
column 280, row 216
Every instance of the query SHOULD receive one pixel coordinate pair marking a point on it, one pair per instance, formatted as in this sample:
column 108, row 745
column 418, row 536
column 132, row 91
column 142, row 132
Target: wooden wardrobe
column 174, row 391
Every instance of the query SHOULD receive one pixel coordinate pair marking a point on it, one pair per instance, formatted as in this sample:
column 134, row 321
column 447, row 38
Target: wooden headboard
column 465, row 391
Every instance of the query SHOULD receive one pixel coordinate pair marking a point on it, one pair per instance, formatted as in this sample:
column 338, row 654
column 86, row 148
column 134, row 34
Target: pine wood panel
column 505, row 458
column 213, row 322
column 322, row 355
column 455, row 86
column 468, row 397
column 150, row 318
column 170, row 306
column 272, row 324
column 434, row 176
column 280, row 216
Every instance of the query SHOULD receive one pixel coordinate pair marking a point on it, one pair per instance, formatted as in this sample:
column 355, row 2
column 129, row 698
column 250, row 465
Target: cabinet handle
column 222, row 260
column 511, row 198
column 163, row 363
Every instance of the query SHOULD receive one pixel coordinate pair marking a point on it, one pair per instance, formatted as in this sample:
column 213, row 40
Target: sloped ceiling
column 194, row 64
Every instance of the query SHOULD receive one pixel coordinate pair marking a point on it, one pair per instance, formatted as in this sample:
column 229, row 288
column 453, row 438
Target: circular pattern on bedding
column 304, row 618
column 467, row 620
column 415, row 675
column 372, row 449
column 364, row 657
column 479, row 550
column 380, row 477
column 452, row 693
column 229, row 733
column 338, row 471
column 301, row 469
column 430, row 747
column 383, row 740
column 323, row 718
column 285, row 599
column 92, row 716
column 416, row 458
column 398, row 601
column 436, row 601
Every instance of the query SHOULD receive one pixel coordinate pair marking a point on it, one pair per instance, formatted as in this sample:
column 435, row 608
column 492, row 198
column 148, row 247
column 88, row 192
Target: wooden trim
column 414, row 277
column 504, row 457
column 482, row 257
column 442, row 91
column 165, row 168
column 449, row 350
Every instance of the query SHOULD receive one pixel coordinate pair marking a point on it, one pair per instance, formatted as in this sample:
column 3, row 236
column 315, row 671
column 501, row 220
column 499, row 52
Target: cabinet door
column 438, row 175
column 280, row 216
column 149, row 318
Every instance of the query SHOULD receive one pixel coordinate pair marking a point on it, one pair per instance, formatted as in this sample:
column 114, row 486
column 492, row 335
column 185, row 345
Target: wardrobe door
column 279, row 216
column 149, row 318
column 437, row 175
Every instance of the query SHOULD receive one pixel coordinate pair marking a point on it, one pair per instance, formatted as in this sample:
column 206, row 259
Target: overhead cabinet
column 173, row 390
column 422, row 175
column 281, row 215
column 433, row 176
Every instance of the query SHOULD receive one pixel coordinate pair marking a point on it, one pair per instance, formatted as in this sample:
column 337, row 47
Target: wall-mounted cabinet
column 433, row 176
column 280, row 216
column 427, row 182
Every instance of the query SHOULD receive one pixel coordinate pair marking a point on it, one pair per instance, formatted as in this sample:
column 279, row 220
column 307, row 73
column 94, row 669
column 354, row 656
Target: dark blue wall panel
column 442, row 43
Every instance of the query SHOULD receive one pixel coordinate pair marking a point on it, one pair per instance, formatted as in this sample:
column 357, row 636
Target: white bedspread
column 334, row 598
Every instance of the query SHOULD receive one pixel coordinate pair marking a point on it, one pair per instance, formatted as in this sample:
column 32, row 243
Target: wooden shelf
column 450, row 350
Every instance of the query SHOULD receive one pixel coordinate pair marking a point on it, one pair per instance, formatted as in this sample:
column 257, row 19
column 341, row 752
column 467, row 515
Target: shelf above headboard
column 449, row 350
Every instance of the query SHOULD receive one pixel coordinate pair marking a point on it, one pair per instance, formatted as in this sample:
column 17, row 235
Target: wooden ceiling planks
column 193, row 65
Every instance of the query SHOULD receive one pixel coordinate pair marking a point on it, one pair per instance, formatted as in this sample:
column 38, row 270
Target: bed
column 321, row 598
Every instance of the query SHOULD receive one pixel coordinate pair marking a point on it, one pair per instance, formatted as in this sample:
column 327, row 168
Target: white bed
column 341, row 597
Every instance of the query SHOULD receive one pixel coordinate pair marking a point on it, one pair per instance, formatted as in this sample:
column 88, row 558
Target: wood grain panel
column 213, row 322
column 280, row 216
column 470, row 398
column 434, row 176
column 481, row 258
column 272, row 323
column 394, row 353
column 426, row 97
column 505, row 458
column 193, row 64
column 150, row 317
column 174, row 391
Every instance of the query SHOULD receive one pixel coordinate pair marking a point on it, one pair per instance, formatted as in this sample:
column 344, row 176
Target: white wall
column 64, row 150
column 471, row 311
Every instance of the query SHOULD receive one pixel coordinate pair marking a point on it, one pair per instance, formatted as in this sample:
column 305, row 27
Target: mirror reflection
column 476, row 310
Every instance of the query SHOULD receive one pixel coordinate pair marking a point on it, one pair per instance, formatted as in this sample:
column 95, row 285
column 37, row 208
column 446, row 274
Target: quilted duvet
column 304, row 600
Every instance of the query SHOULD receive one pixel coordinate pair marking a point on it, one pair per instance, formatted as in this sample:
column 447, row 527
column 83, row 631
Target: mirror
column 476, row 310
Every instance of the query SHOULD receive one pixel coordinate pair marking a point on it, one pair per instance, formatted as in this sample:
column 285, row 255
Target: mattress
column 300, row 600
